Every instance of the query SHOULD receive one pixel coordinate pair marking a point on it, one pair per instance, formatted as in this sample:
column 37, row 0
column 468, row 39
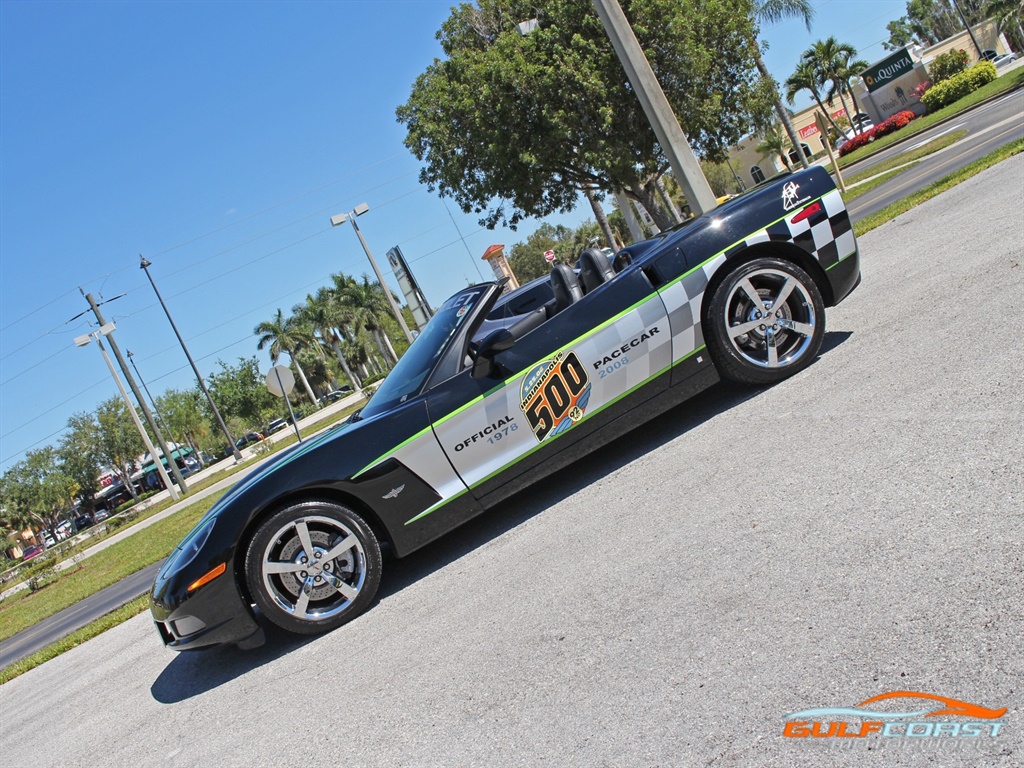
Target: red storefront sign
column 812, row 129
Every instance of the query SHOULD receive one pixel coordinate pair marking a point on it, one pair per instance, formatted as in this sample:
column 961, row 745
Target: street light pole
column 138, row 396
column 144, row 265
column 105, row 330
column 359, row 210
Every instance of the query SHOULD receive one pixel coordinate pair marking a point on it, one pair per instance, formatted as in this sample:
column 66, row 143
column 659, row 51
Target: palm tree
column 805, row 78
column 833, row 62
column 369, row 307
column 324, row 314
column 359, row 344
column 844, row 73
column 770, row 12
column 773, row 142
column 286, row 336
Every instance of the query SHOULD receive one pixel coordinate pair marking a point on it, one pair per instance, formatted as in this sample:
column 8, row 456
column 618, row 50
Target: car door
column 557, row 385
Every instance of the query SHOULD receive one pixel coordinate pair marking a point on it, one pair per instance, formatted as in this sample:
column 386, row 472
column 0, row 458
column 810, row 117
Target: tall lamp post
column 144, row 265
column 83, row 341
column 359, row 210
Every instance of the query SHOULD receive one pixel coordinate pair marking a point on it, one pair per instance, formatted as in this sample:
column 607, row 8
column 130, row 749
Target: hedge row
column 958, row 86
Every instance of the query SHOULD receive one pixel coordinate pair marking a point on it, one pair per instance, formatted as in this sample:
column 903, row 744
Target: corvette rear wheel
column 313, row 566
column 766, row 322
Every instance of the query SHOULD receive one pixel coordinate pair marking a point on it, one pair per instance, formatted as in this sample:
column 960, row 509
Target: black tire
column 746, row 315
column 313, row 566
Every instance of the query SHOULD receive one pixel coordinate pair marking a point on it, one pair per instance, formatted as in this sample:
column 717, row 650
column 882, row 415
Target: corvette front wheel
column 766, row 322
column 313, row 566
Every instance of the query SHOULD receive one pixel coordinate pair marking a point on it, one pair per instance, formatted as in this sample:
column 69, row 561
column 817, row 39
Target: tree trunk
column 649, row 199
column 305, row 383
column 846, row 109
column 825, row 112
column 663, row 194
column 780, row 108
column 602, row 220
column 126, row 478
column 856, row 107
column 387, row 343
column 355, row 382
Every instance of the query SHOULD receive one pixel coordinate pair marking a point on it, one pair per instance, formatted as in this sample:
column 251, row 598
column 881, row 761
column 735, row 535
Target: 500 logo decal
column 981, row 721
column 555, row 394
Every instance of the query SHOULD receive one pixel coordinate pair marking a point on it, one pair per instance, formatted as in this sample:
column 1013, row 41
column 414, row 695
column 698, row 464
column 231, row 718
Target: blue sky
column 217, row 139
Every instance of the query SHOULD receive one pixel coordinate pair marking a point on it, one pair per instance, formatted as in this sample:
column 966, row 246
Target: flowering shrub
column 896, row 122
column 899, row 120
column 958, row 86
column 918, row 90
column 859, row 140
column 948, row 64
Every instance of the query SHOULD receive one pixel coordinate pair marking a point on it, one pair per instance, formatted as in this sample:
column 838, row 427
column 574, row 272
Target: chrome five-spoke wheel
column 767, row 321
column 313, row 566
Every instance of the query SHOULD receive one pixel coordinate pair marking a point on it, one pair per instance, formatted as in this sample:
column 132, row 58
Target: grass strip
column 946, row 182
column 864, row 187
column 931, row 147
column 76, row 638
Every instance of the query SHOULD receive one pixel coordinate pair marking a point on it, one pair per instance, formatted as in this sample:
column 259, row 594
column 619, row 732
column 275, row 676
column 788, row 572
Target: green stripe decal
column 436, row 507
column 393, row 451
column 841, row 260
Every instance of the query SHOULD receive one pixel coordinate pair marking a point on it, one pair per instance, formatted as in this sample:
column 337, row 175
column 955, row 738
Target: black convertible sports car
column 501, row 389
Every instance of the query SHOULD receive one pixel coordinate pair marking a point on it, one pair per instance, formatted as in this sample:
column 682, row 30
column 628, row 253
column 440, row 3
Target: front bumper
column 214, row 614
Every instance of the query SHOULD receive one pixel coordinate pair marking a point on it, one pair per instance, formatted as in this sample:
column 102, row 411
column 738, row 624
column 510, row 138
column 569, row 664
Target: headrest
column 565, row 286
column 595, row 269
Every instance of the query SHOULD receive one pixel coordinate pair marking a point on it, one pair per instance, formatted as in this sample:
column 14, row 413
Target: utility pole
column 141, row 400
column 659, row 112
column 144, row 265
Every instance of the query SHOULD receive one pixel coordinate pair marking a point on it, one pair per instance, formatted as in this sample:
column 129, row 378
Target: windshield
column 408, row 376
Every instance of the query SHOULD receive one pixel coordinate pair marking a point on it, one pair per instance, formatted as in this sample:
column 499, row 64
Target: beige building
column 495, row 256
column 884, row 88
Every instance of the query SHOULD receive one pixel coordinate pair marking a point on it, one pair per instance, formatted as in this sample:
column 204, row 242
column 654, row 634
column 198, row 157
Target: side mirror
column 495, row 342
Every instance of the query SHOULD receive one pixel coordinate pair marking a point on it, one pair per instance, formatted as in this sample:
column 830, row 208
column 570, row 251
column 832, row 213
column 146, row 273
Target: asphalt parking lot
column 853, row 531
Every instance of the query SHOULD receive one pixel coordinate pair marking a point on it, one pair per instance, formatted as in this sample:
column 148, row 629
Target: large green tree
column 327, row 317
column 1009, row 16
column 806, row 77
column 928, row 22
column 120, row 443
column 79, row 455
column 241, row 393
column 37, row 492
column 186, row 413
column 513, row 126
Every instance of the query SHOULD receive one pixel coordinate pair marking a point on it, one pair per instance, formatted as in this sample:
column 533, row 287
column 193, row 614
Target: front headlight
column 188, row 549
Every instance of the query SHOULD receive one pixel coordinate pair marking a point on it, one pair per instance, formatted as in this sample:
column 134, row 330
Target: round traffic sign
column 549, row 255
column 280, row 380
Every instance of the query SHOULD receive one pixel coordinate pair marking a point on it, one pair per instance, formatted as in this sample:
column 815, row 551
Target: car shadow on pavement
column 193, row 673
